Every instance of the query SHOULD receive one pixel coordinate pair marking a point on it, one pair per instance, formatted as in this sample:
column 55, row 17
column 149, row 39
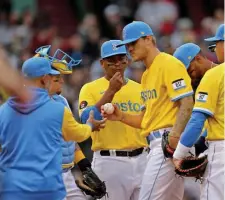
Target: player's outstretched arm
column 72, row 130
column 183, row 115
column 117, row 115
column 191, row 134
column 10, row 80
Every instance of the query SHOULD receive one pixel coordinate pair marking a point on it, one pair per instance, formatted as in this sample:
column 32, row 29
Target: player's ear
column 42, row 80
column 45, row 79
column 148, row 38
column 199, row 59
column 102, row 62
column 127, row 60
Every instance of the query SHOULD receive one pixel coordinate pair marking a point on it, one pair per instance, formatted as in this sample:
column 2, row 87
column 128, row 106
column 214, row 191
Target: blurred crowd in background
column 79, row 27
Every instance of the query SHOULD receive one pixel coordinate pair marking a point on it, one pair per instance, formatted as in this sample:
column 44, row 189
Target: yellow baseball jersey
column 115, row 135
column 210, row 100
column 72, row 130
column 163, row 83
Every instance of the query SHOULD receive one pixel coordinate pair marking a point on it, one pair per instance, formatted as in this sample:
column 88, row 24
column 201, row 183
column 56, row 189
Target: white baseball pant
column 159, row 180
column 214, row 177
column 73, row 192
column 122, row 175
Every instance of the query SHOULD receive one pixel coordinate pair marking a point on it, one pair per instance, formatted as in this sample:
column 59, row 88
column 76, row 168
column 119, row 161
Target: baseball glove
column 167, row 150
column 192, row 167
column 91, row 185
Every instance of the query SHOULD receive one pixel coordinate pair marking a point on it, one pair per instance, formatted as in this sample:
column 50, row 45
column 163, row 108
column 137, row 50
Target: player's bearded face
column 137, row 49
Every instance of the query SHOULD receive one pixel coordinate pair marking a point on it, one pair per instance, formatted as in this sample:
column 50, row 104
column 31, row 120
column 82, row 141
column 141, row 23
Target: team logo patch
column 114, row 46
column 178, row 84
column 202, row 96
column 83, row 104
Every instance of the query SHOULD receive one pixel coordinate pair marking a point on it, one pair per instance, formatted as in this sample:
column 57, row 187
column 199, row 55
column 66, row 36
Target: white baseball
column 108, row 108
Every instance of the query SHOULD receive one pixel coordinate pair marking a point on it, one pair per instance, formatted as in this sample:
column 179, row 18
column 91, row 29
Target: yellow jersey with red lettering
column 115, row 135
column 210, row 100
column 164, row 83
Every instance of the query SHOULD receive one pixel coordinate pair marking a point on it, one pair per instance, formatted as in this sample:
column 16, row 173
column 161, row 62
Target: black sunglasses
column 212, row 47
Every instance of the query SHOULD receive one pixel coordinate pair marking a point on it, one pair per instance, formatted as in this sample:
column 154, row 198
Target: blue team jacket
column 31, row 157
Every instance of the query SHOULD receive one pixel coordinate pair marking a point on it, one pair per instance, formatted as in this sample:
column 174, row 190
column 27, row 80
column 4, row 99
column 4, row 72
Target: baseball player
column 218, row 43
column 167, row 95
column 196, row 64
column 31, row 134
column 119, row 150
column 209, row 106
column 72, row 154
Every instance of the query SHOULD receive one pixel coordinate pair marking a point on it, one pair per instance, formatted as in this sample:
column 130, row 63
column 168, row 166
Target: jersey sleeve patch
column 143, row 108
column 178, row 84
column 202, row 96
column 83, row 104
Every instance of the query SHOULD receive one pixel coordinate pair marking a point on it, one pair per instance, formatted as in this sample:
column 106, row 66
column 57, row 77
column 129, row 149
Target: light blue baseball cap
column 109, row 48
column 37, row 67
column 186, row 53
column 219, row 35
column 134, row 31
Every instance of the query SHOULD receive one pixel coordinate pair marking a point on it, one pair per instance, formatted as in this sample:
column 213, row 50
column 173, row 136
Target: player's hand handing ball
column 96, row 124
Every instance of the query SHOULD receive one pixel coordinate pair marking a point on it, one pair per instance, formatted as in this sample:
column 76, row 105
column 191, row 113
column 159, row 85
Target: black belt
column 132, row 153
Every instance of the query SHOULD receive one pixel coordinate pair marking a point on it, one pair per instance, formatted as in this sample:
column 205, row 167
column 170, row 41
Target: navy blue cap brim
column 54, row 72
column 213, row 39
column 126, row 42
column 114, row 54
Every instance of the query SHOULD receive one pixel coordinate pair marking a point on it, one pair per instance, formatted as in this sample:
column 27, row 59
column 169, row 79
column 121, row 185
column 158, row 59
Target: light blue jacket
column 31, row 157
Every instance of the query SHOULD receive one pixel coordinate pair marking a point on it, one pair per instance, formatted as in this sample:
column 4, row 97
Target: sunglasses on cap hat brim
column 212, row 47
